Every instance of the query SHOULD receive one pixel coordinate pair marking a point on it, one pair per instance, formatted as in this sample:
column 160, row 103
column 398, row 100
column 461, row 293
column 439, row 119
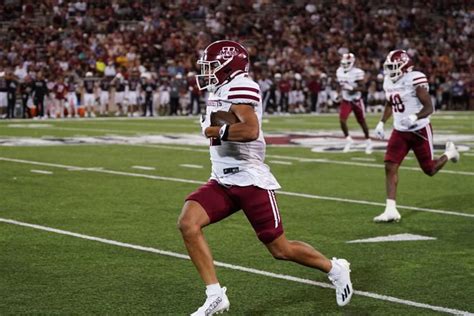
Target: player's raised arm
column 246, row 130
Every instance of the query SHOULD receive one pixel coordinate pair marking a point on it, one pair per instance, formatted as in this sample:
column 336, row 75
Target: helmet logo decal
column 228, row 52
column 404, row 57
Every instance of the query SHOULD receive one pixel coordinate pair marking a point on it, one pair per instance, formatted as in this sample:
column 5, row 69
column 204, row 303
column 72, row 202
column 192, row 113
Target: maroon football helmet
column 397, row 63
column 221, row 61
column 347, row 61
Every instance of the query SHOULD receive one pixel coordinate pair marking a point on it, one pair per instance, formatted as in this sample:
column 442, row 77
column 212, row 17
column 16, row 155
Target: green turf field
column 133, row 266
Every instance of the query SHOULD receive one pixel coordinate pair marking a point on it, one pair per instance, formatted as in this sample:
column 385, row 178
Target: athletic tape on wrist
column 224, row 132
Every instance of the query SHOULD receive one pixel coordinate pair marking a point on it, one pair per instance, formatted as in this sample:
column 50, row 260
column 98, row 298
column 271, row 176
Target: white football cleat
column 368, row 146
column 342, row 282
column 388, row 216
column 214, row 304
column 349, row 142
column 451, row 152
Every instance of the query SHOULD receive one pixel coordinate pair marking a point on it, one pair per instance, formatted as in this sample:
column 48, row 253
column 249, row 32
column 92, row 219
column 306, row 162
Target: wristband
column 224, row 132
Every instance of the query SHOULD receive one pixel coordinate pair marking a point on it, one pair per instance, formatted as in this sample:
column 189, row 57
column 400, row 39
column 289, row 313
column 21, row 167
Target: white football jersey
column 350, row 77
column 239, row 163
column 402, row 96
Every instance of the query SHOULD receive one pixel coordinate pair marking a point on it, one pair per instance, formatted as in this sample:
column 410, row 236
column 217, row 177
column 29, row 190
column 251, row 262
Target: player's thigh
column 398, row 147
column 345, row 110
column 423, row 148
column 214, row 200
column 261, row 208
column 358, row 107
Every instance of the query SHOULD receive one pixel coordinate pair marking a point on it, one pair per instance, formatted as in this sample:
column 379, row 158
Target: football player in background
column 351, row 82
column 240, row 179
column 72, row 102
column 408, row 99
column 3, row 95
column 132, row 90
column 104, row 87
column 149, row 88
column 118, row 82
column 60, row 91
column 89, row 94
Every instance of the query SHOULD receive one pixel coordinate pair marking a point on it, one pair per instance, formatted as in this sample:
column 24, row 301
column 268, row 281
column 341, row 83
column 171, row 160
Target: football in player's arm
column 245, row 130
column 410, row 104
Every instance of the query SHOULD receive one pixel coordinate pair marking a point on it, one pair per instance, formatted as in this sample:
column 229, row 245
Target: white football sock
column 449, row 154
column 335, row 270
column 390, row 204
column 213, row 289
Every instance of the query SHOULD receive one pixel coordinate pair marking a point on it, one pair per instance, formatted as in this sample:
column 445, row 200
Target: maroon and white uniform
column 401, row 95
column 60, row 91
column 240, row 179
column 247, row 158
column 351, row 101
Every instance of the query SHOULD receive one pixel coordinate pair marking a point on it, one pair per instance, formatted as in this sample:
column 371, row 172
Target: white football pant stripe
column 430, row 139
column 276, row 216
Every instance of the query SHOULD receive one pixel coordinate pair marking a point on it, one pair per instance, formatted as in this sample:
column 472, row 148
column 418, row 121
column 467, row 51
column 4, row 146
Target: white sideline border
column 237, row 267
column 304, row 195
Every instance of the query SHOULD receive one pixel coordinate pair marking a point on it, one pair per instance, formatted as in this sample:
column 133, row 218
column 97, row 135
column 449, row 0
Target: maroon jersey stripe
column 424, row 77
column 415, row 84
column 243, row 96
column 245, row 89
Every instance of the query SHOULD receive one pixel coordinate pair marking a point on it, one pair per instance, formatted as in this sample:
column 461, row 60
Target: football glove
column 409, row 121
column 379, row 131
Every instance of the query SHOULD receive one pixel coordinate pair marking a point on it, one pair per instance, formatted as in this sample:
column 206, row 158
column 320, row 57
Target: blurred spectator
column 164, row 98
column 73, row 37
column 40, row 92
column 149, row 88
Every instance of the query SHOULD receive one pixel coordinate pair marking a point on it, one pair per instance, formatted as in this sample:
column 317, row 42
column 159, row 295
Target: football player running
column 240, row 179
column 408, row 99
column 351, row 82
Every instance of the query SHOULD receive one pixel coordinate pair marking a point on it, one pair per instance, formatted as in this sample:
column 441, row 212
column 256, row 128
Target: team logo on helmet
column 228, row 52
column 404, row 57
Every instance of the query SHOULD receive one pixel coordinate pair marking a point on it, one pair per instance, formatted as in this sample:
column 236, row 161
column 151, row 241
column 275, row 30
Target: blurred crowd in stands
column 139, row 57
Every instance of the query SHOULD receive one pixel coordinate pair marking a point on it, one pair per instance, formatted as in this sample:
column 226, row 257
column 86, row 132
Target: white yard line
column 236, row 267
column 279, row 162
column 361, row 164
column 41, row 171
column 303, row 195
column 185, row 165
column 362, row 159
column 143, row 168
column 99, row 130
column 317, row 160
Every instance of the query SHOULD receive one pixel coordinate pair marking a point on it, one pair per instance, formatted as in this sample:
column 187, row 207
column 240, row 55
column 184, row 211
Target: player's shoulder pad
column 243, row 90
column 417, row 78
column 359, row 73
